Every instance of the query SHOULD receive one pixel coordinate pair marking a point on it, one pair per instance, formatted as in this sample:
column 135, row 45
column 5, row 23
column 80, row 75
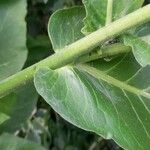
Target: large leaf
column 18, row 105
column 16, row 143
column 3, row 117
column 95, row 101
column 13, row 50
column 64, row 27
column 103, row 99
column 96, row 12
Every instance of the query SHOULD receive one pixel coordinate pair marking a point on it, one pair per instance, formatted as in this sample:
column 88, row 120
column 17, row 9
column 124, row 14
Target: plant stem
column 102, row 76
column 109, row 12
column 75, row 50
column 107, row 51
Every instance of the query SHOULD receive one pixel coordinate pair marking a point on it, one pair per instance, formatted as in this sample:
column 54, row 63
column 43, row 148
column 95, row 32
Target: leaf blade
column 64, row 25
column 13, row 52
column 95, row 105
column 96, row 12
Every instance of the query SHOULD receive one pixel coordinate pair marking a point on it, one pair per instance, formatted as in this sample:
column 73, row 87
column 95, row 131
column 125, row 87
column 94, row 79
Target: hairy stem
column 109, row 12
column 75, row 50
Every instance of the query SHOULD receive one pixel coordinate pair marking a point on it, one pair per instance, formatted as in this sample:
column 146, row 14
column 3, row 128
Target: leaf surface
column 139, row 40
column 64, row 27
column 16, row 143
column 13, row 52
column 95, row 101
column 96, row 12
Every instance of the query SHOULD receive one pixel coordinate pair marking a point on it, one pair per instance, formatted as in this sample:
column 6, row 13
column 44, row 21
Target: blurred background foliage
column 45, row 126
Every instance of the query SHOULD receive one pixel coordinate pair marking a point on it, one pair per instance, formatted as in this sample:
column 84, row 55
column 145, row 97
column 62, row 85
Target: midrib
column 122, row 85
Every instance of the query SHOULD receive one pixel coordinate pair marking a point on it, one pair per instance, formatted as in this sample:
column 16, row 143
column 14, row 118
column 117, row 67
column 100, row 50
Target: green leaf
column 12, row 142
column 13, row 55
column 96, row 12
column 3, row 117
column 143, row 32
column 140, row 48
column 139, row 40
column 13, row 50
column 102, row 98
column 18, row 106
column 96, row 101
column 64, row 26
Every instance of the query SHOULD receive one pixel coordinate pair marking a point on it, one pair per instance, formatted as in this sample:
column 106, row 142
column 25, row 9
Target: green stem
column 107, row 51
column 78, row 48
column 122, row 85
column 109, row 12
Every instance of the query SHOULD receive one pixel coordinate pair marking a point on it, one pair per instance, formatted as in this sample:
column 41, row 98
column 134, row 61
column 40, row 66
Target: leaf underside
column 99, row 105
column 96, row 12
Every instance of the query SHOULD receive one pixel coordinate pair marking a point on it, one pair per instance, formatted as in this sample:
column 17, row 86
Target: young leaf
column 103, row 99
column 16, row 143
column 96, row 12
column 13, row 55
column 13, row 50
column 64, row 27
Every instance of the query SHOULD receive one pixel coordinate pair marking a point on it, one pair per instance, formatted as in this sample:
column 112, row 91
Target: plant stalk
column 109, row 12
column 76, row 49
column 104, row 52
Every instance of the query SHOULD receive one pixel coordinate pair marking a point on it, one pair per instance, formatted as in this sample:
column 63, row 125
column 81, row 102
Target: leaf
column 3, row 117
column 18, row 106
column 16, row 143
column 63, row 32
column 13, row 55
column 143, row 32
column 140, row 48
column 95, row 101
column 96, row 12
column 103, row 98
column 13, row 52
